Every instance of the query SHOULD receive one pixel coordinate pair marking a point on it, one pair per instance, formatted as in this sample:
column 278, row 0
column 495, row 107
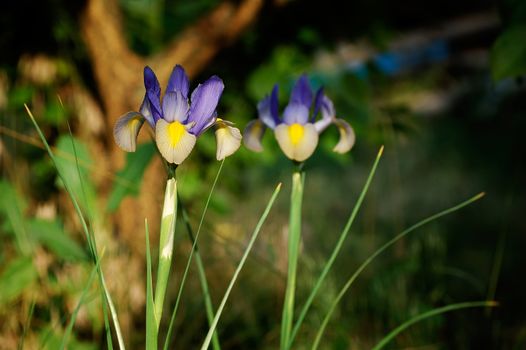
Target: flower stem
column 166, row 242
column 298, row 179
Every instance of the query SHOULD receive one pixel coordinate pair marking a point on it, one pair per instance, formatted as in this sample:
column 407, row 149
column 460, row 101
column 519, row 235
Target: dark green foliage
column 128, row 180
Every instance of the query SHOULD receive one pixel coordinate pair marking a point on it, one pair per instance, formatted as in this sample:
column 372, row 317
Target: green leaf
column 53, row 236
column 508, row 54
column 12, row 207
column 130, row 177
column 18, row 276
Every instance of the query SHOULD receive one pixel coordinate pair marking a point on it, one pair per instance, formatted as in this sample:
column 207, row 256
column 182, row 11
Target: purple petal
column 327, row 114
column 274, row 103
column 296, row 113
column 150, row 81
column 153, row 93
column 268, row 109
column 327, row 108
column 302, row 93
column 178, row 81
column 175, row 106
column 146, row 111
column 155, row 105
column 204, row 102
column 317, row 103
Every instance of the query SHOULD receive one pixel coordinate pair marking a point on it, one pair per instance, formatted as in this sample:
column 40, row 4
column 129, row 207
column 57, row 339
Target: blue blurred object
column 396, row 62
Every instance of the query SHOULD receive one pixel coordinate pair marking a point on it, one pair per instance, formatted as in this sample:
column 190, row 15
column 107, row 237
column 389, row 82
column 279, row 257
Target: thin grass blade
column 27, row 324
column 378, row 252
column 391, row 335
column 212, row 329
column 336, row 250
column 91, row 242
column 73, row 318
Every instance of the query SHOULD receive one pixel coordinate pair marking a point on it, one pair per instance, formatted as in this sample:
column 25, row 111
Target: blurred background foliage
column 439, row 83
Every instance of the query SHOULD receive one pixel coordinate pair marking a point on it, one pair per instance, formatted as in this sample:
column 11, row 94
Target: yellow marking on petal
column 228, row 141
column 305, row 138
column 176, row 131
column 253, row 134
column 347, row 136
column 126, row 130
column 173, row 141
column 296, row 132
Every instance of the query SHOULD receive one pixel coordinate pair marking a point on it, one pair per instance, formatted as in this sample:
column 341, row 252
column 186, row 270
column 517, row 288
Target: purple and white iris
column 176, row 121
column 298, row 131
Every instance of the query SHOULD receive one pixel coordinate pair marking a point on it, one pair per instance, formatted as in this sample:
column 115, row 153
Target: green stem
column 152, row 330
column 166, row 243
column 298, row 179
column 335, row 252
column 208, row 302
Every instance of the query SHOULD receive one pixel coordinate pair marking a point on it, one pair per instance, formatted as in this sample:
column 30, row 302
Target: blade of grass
column 294, row 238
column 335, row 251
column 200, row 268
column 378, row 252
column 391, row 335
column 208, row 338
column 27, row 324
column 105, row 292
column 73, row 318
column 499, row 254
column 152, row 329
column 91, row 242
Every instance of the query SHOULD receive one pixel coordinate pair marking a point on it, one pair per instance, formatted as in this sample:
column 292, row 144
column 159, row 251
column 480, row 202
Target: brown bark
column 118, row 70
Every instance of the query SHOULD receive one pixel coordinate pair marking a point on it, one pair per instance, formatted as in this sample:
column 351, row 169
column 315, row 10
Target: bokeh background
column 439, row 83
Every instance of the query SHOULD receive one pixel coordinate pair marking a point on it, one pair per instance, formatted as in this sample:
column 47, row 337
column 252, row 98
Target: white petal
column 322, row 124
column 228, row 139
column 347, row 136
column 297, row 141
column 253, row 134
column 126, row 130
column 173, row 140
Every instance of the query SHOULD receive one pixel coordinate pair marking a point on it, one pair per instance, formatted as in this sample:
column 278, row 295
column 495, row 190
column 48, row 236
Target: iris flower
column 176, row 121
column 297, row 132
